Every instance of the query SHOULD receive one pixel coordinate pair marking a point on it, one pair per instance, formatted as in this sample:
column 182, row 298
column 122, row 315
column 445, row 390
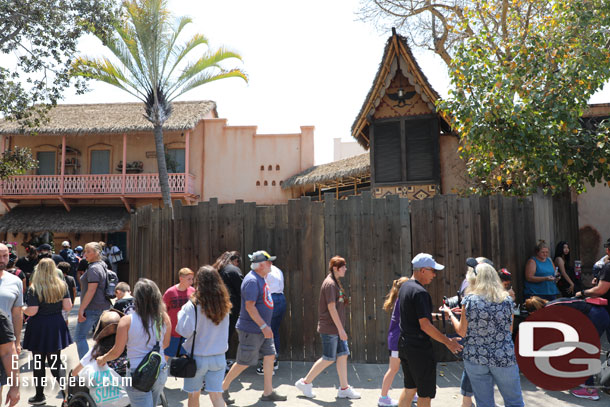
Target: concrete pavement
column 365, row 378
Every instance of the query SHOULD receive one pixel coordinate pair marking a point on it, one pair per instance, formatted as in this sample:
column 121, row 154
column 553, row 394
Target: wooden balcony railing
column 106, row 184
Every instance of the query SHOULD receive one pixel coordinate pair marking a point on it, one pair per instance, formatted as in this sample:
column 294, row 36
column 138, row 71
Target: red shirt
column 174, row 299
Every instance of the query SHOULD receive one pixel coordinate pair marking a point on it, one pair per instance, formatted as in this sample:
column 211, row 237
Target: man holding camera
column 416, row 332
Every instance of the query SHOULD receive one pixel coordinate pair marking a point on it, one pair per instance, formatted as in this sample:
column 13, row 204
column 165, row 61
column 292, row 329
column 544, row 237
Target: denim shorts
column 212, row 369
column 252, row 346
column 332, row 347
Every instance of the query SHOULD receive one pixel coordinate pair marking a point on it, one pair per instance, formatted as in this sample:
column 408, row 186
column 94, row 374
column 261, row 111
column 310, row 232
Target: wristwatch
column 263, row 326
column 582, row 293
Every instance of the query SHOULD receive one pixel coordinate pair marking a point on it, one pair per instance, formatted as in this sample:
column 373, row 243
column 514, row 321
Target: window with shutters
column 417, row 138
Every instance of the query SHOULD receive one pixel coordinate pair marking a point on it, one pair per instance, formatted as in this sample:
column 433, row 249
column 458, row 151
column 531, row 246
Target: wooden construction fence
column 377, row 237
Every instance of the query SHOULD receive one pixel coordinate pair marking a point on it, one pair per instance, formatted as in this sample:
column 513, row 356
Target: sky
column 309, row 63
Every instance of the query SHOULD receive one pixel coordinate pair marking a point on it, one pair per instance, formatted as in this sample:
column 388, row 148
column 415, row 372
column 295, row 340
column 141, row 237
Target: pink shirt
column 174, row 299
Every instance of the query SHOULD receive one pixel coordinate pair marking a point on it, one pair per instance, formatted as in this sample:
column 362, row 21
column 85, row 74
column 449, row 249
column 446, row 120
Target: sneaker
column 37, row 400
column 273, row 396
column 276, row 364
column 306, row 388
column 227, row 398
column 585, row 393
column 387, row 401
column 259, row 371
column 348, row 393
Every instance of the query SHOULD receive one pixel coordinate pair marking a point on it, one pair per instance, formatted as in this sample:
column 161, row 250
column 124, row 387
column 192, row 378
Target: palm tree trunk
column 162, row 166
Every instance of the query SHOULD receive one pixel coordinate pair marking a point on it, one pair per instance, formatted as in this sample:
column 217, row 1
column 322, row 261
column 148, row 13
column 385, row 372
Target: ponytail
column 338, row 262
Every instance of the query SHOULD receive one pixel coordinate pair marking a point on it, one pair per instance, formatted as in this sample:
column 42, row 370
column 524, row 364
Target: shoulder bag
column 185, row 365
column 143, row 378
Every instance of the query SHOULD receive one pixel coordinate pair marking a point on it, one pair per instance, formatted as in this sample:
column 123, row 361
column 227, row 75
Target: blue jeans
column 465, row 385
column 279, row 308
column 483, row 379
column 333, row 347
column 83, row 329
column 149, row 398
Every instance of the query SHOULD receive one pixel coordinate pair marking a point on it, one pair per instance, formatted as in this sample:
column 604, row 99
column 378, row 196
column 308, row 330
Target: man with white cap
column 253, row 327
column 416, row 330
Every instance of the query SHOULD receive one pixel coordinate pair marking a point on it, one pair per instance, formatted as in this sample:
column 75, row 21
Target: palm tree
column 152, row 66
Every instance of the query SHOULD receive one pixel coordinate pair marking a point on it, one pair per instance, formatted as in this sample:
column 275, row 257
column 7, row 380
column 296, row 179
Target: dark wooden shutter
column 422, row 141
column 388, row 163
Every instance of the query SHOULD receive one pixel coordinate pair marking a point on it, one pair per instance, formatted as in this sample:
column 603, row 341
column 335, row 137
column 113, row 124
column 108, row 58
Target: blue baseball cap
column 425, row 260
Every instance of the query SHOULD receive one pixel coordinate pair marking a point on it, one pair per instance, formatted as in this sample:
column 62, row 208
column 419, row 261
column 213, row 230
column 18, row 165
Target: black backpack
column 111, row 282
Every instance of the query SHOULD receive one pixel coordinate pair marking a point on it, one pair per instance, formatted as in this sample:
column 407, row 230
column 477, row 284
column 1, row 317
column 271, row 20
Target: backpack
column 144, row 376
column 111, row 282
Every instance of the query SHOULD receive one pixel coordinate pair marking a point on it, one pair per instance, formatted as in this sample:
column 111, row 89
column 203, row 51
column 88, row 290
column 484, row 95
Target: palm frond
column 204, row 78
column 183, row 50
column 171, row 46
column 105, row 71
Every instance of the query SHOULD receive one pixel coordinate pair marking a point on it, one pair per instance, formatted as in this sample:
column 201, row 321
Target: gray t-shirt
column 11, row 293
column 96, row 273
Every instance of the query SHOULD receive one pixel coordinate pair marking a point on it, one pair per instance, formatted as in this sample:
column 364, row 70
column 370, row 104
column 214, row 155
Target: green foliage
column 38, row 40
column 16, row 162
column 519, row 98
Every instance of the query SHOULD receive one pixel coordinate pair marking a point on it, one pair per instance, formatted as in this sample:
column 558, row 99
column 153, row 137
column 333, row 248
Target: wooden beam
column 63, row 201
column 125, row 201
column 187, row 150
column 124, row 169
column 6, row 205
column 63, row 165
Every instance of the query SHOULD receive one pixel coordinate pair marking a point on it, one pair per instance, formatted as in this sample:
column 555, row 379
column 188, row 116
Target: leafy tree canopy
column 38, row 40
column 522, row 72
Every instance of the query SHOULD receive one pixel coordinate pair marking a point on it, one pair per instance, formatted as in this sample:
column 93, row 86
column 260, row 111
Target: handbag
column 143, row 378
column 104, row 385
column 185, row 365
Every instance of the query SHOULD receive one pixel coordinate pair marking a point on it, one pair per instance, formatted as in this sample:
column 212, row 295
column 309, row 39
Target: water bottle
column 577, row 268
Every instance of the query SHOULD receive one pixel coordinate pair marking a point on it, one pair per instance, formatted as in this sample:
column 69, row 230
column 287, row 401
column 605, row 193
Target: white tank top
column 137, row 346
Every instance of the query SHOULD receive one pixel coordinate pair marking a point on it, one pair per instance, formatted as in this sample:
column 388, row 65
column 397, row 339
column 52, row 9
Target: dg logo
column 558, row 348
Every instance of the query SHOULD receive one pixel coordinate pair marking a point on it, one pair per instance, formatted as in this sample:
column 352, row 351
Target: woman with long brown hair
column 205, row 321
column 331, row 323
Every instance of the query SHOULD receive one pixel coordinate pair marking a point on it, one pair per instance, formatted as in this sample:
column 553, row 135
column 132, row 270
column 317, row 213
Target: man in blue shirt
column 255, row 334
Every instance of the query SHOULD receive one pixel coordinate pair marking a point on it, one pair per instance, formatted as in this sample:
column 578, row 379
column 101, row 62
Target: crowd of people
column 201, row 315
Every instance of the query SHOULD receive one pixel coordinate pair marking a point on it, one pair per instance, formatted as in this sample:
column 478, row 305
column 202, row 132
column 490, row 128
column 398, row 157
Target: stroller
column 78, row 395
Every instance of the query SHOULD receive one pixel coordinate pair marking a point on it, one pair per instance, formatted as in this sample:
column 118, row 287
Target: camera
column 453, row 302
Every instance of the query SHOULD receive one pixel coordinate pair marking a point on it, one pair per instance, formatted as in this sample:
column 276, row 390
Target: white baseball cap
column 65, row 243
column 425, row 260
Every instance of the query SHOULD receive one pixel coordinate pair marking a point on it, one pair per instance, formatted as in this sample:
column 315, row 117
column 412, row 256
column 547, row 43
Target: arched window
column 272, row 183
column 266, row 183
column 262, row 168
column 277, row 167
column 258, row 183
column 270, row 168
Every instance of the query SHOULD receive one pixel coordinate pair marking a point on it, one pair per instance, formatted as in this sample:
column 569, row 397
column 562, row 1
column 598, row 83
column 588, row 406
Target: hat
column 78, row 249
column 44, row 246
column 106, row 326
column 472, row 262
column 607, row 244
column 10, row 246
column 65, row 243
column 425, row 260
column 260, row 256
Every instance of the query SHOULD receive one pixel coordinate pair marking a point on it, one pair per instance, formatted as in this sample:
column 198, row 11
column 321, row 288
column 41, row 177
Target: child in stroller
column 104, row 337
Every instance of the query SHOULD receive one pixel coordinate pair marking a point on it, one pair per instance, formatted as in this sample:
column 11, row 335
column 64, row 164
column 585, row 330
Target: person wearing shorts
column 205, row 324
column 253, row 328
column 331, row 322
column 416, row 332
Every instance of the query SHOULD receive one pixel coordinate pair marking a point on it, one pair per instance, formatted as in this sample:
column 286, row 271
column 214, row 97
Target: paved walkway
column 365, row 378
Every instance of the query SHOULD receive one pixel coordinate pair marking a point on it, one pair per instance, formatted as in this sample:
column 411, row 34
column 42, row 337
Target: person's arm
column 119, row 342
column 66, row 304
column 332, row 310
column 560, row 263
column 7, row 354
column 91, row 288
column 600, row 289
column 74, row 292
column 168, row 330
column 17, row 316
column 258, row 320
column 530, row 270
column 460, row 325
column 76, row 370
column 30, row 310
column 451, row 343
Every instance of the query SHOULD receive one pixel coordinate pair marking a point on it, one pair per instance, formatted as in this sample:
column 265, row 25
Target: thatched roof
column 354, row 167
column 80, row 219
column 112, row 118
column 397, row 54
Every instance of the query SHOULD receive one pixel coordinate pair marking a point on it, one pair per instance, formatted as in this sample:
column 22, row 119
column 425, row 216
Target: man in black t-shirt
column 7, row 355
column 416, row 329
column 602, row 288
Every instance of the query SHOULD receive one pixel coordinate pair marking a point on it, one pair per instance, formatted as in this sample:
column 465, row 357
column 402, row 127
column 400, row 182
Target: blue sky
column 309, row 63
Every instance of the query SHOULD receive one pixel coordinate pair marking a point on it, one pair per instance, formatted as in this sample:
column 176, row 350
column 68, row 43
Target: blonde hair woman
column 486, row 325
column 92, row 296
column 46, row 333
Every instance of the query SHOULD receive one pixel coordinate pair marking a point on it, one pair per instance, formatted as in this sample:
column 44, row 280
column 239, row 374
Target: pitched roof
column 80, row 219
column 357, row 166
column 397, row 54
column 112, row 118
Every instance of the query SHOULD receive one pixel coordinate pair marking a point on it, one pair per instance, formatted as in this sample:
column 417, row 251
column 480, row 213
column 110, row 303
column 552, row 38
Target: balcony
column 98, row 186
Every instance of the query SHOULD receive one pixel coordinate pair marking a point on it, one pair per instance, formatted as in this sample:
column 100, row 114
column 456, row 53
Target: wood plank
column 214, row 234
column 305, row 208
column 203, row 233
column 353, row 280
column 405, row 238
column 329, row 225
column 301, row 300
column 319, row 266
column 453, row 274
